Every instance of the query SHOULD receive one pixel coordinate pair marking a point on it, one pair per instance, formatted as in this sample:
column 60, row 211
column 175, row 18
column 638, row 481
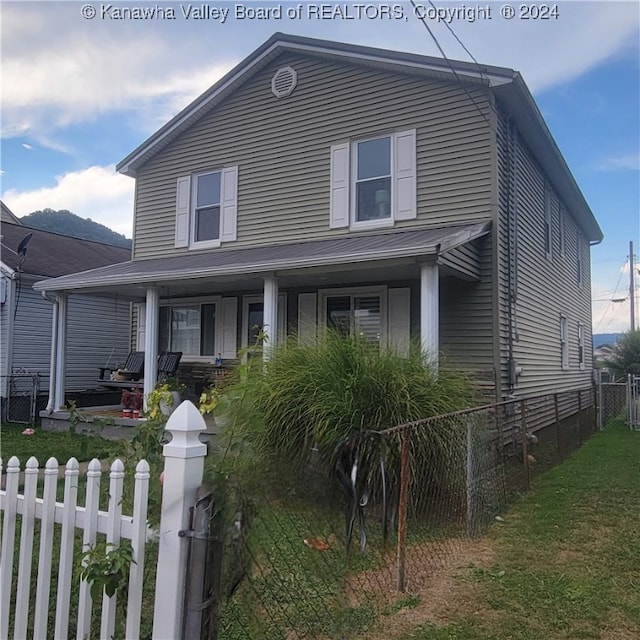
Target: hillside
column 605, row 338
column 69, row 224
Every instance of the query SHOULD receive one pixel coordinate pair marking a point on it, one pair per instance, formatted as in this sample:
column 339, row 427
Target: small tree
column 626, row 355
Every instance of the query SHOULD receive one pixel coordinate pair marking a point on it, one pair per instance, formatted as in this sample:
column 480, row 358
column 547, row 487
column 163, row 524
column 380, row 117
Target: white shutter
column 404, row 175
column 339, row 195
column 141, row 327
column 229, row 204
column 229, row 308
column 399, row 305
column 183, row 192
column 307, row 318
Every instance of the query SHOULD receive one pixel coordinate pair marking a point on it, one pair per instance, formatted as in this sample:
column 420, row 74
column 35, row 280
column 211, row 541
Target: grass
column 565, row 561
column 46, row 444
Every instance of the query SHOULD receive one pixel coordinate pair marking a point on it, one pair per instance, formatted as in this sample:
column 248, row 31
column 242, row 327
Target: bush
column 307, row 399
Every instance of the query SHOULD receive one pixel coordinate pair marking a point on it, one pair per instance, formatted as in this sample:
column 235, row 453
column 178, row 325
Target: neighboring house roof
column 52, row 254
column 6, row 215
column 507, row 85
column 234, row 262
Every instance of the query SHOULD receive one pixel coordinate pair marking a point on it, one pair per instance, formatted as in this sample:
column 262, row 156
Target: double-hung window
column 564, row 342
column 581, row 345
column 373, row 181
column 372, row 170
column 547, row 228
column 206, row 208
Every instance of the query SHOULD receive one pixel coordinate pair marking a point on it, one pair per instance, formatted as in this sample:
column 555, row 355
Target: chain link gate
column 19, row 397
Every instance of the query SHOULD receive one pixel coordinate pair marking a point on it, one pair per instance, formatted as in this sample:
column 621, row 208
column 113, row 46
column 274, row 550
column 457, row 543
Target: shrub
column 307, row 399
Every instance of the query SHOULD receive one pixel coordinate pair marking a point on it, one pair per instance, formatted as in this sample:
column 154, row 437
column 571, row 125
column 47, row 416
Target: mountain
column 605, row 338
column 69, row 224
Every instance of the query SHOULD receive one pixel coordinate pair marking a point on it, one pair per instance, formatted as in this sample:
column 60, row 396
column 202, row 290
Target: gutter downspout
column 54, row 354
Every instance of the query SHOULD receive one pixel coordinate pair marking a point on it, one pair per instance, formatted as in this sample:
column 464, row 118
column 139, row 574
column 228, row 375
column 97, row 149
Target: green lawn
column 564, row 564
column 46, row 444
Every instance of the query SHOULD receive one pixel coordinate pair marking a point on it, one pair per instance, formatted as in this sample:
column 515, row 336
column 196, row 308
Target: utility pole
column 632, row 287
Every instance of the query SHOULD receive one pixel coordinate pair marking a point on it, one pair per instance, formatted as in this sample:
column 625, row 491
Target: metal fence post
column 183, row 470
column 402, row 510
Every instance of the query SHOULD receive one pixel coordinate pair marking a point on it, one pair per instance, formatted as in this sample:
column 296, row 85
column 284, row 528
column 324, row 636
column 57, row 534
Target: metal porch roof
column 270, row 258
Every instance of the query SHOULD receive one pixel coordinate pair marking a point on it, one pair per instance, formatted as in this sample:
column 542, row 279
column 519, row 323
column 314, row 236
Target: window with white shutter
column 206, row 209
column 373, row 181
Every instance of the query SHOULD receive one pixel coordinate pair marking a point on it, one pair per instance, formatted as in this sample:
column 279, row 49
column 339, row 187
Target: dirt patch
column 447, row 589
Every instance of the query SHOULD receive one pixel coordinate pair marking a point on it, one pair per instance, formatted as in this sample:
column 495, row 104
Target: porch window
column 253, row 319
column 355, row 314
column 188, row 328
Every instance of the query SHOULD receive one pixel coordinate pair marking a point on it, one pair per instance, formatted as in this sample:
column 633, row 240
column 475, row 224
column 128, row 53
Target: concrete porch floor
column 105, row 421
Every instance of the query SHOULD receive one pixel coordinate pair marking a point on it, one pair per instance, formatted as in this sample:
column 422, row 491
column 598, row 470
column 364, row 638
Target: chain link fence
column 322, row 556
column 20, row 397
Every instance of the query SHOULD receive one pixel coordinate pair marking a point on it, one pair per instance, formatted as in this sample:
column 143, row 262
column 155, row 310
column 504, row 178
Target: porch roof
column 417, row 243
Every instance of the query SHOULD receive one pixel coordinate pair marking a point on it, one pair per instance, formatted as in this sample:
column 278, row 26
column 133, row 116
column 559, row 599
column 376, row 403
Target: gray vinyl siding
column 466, row 321
column 282, row 146
column 97, row 334
column 546, row 288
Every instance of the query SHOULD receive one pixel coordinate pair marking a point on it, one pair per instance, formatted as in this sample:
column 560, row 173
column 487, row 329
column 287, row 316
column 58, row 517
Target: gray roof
column 507, row 85
column 267, row 259
column 51, row 254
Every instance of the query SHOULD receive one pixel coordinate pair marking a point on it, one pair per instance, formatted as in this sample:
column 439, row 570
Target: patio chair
column 168, row 362
column 133, row 368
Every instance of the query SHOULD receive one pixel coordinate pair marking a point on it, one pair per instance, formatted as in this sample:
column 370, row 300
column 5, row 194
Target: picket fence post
column 183, row 470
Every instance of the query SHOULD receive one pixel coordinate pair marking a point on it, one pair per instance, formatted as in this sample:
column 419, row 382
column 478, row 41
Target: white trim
column 339, row 186
column 183, row 211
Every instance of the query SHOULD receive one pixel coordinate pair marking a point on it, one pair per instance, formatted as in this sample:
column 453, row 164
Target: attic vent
column 284, row 82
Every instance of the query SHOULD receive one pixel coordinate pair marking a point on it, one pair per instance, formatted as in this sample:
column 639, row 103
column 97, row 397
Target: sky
column 84, row 83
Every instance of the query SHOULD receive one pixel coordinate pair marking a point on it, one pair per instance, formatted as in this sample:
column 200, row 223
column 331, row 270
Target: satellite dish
column 22, row 247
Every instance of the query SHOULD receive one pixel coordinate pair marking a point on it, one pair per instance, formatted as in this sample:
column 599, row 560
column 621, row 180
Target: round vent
column 284, row 82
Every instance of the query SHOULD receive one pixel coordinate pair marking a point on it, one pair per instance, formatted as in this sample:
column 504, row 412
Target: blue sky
column 79, row 94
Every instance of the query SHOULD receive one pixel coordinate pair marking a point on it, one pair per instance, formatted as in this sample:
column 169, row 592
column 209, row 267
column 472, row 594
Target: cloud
column 51, row 82
column 26, row 146
column 625, row 162
column 98, row 193
column 59, row 69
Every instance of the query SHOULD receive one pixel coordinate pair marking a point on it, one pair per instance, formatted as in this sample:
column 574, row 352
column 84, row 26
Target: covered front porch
column 211, row 305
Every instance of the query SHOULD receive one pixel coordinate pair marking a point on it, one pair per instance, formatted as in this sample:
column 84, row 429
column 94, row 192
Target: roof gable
column 507, row 86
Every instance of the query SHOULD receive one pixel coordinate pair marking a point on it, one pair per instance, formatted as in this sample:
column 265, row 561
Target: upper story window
column 561, row 228
column 547, row 228
column 206, row 208
column 579, row 259
column 373, row 181
column 372, row 193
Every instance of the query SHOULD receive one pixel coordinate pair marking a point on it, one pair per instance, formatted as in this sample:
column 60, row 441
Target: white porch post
column 270, row 316
column 53, row 359
column 61, row 350
column 151, row 342
column 429, row 312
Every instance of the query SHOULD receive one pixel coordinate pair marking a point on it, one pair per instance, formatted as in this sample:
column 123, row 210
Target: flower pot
column 167, row 406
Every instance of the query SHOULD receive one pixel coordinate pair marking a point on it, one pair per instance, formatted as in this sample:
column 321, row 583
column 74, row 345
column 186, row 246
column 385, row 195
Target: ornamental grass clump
column 307, row 399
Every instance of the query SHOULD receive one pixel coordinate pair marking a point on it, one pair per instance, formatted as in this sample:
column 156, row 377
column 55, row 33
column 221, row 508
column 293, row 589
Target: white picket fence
column 184, row 458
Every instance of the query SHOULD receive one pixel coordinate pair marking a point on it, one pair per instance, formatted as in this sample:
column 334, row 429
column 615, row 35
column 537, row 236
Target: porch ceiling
column 380, row 256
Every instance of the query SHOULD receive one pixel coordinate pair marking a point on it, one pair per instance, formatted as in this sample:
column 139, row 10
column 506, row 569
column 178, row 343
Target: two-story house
column 390, row 194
